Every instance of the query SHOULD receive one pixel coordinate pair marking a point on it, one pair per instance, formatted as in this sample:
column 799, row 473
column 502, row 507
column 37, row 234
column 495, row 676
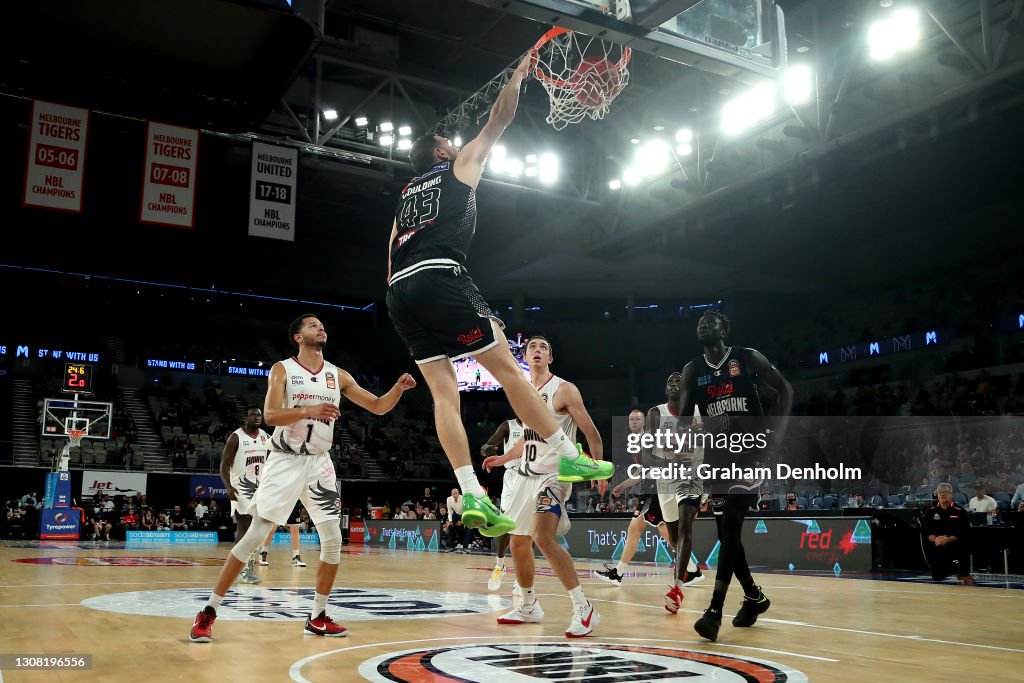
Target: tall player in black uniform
column 722, row 382
column 439, row 313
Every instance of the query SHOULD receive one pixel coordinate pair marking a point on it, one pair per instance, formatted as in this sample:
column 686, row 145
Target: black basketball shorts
column 650, row 509
column 439, row 313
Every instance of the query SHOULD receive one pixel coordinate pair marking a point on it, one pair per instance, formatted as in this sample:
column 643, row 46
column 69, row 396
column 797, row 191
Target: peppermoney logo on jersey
column 294, row 604
column 553, row 661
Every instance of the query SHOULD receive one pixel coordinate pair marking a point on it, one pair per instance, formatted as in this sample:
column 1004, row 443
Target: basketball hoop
column 75, row 437
column 582, row 75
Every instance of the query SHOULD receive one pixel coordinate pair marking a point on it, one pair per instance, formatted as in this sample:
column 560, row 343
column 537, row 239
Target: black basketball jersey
column 436, row 219
column 728, row 387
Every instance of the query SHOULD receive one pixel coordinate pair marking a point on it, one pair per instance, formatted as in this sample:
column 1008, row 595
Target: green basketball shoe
column 584, row 468
column 480, row 513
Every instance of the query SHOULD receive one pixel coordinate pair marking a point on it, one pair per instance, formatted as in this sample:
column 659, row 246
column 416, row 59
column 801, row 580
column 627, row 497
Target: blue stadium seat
column 1004, row 505
column 1001, row 496
column 960, row 499
column 827, row 502
column 875, row 501
column 802, row 502
column 816, row 504
column 894, row 502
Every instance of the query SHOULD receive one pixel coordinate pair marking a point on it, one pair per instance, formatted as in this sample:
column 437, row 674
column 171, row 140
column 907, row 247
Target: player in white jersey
column 303, row 399
column 680, row 500
column 244, row 456
column 508, row 433
column 538, row 505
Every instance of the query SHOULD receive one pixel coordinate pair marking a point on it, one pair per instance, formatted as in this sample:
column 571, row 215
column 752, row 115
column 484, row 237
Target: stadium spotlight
column 404, row 143
column 684, row 150
column 548, row 168
column 361, row 121
column 653, row 157
column 457, row 141
column 614, row 184
column 330, row 114
column 514, row 167
column 634, row 141
column 531, row 158
column 386, row 140
column 798, row 84
column 633, row 175
column 531, row 171
column 405, row 130
column 897, row 33
column 684, row 135
column 386, row 127
column 743, row 111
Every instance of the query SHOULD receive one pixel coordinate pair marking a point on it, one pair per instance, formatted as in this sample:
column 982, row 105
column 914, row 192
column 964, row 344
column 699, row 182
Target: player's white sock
column 578, row 599
column 295, row 553
column 562, row 445
column 528, row 597
column 468, row 481
column 214, row 601
column 319, row 605
column 621, row 568
column 690, row 566
column 499, row 562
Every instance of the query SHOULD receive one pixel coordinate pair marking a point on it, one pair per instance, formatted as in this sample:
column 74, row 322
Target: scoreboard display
column 77, row 378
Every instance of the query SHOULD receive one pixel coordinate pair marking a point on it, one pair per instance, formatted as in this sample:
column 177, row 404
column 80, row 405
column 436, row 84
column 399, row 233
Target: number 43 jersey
column 435, row 220
column 305, row 387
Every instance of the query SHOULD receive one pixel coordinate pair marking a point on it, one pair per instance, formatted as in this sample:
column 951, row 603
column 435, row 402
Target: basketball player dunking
column 244, row 456
column 723, row 384
column 303, row 399
column 538, row 502
column 439, row 313
column 508, row 434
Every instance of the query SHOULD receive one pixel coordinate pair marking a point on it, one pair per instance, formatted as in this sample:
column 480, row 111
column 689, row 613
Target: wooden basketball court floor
column 419, row 616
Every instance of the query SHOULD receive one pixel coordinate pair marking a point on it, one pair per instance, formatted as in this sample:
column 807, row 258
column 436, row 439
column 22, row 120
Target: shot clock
column 77, row 378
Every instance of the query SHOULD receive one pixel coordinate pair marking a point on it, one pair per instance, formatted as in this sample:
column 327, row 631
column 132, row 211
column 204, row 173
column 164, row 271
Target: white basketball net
column 75, row 437
column 582, row 75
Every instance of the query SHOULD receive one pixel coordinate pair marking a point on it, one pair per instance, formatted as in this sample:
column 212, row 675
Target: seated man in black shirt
column 177, row 519
column 946, row 528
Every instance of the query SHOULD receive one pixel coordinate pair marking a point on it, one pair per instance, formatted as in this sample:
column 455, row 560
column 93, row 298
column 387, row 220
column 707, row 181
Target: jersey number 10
column 530, row 452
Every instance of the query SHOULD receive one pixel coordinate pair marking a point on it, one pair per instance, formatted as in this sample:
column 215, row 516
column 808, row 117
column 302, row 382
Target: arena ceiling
column 776, row 214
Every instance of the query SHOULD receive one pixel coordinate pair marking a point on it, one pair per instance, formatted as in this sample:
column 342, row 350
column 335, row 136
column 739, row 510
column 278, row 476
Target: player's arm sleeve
column 227, row 458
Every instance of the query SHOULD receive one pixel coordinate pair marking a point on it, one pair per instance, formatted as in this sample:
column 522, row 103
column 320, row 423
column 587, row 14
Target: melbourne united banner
column 56, row 157
column 272, row 191
column 112, row 483
column 169, row 185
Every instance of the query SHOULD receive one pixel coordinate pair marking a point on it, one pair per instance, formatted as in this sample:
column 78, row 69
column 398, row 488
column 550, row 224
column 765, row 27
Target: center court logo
column 556, row 661
column 295, row 604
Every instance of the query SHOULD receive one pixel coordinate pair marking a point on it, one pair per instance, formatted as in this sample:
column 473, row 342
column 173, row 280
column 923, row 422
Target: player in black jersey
column 441, row 316
column 723, row 384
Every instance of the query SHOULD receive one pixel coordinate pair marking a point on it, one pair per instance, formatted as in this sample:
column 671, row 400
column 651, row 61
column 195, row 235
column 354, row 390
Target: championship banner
column 112, row 483
column 272, row 191
column 207, row 486
column 56, row 157
column 169, row 184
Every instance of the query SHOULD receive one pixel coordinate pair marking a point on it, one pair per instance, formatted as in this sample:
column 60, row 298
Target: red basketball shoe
column 202, row 629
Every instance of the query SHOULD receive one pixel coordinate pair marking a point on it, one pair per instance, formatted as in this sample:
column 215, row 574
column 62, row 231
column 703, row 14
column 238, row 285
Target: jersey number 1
column 309, row 432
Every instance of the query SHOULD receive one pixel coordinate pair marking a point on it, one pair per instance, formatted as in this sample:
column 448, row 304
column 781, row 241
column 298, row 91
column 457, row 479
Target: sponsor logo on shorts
column 734, row 368
column 551, row 661
column 474, row 335
column 329, row 378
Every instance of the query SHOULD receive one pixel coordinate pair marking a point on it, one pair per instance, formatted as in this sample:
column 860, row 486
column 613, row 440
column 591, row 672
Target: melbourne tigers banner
column 272, row 191
column 169, row 183
column 55, row 170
